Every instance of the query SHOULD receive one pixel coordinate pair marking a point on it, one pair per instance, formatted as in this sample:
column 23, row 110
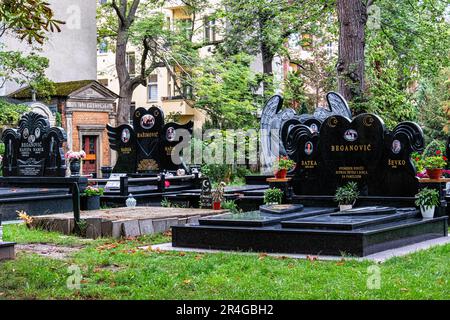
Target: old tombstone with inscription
column 34, row 149
column 147, row 146
column 329, row 153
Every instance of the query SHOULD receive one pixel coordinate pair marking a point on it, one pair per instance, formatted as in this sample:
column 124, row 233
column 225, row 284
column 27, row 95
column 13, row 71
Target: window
column 210, row 29
column 131, row 63
column 152, row 88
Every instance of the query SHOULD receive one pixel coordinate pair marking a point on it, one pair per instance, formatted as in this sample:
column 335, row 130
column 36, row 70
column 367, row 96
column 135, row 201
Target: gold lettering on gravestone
column 168, row 150
column 125, row 150
column 351, row 148
column 308, row 164
column 351, row 172
column 396, row 163
column 148, row 134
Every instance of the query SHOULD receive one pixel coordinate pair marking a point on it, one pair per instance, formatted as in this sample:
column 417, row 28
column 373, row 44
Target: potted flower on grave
column 74, row 159
column 90, row 198
column 347, row 195
column 273, row 196
column 427, row 200
column 218, row 196
column 283, row 165
column 434, row 165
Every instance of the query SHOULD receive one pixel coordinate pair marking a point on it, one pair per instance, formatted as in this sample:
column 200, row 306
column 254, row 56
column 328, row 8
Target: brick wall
column 84, row 118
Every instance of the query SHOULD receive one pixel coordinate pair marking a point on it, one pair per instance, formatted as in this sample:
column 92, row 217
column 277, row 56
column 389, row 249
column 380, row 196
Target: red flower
column 445, row 158
column 438, row 152
column 417, row 159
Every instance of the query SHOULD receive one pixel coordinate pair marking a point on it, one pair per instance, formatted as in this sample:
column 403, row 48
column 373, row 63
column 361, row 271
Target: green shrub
column 273, row 195
column 434, row 146
column 427, row 198
column 231, row 206
column 347, row 194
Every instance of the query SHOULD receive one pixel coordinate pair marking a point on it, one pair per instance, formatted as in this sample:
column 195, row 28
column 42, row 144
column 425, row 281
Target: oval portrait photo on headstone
column 396, row 146
column 350, row 135
column 147, row 121
column 125, row 136
column 170, row 134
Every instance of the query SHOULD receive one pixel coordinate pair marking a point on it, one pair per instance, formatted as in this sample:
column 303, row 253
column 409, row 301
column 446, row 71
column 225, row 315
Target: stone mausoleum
column 83, row 109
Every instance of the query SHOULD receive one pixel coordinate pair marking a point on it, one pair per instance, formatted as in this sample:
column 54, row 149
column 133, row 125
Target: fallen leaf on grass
column 404, row 289
column 168, row 233
column 262, row 256
column 187, row 281
column 311, row 258
column 181, row 254
column 340, row 262
column 198, row 257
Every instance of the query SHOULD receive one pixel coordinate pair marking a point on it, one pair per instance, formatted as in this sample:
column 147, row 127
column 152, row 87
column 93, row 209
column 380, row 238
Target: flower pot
column 343, row 207
column 90, row 203
column 427, row 212
column 434, row 173
column 281, row 174
column 217, row 205
column 75, row 166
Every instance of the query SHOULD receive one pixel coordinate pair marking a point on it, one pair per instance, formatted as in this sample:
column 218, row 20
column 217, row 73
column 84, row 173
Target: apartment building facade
column 161, row 89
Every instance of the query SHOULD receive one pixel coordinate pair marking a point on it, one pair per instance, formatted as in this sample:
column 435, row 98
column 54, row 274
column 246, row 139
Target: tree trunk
column 125, row 91
column 352, row 15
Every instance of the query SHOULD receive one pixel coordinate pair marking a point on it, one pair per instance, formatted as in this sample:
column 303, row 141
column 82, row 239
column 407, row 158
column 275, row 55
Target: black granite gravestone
column 276, row 124
column 34, row 149
column 146, row 147
column 360, row 150
column 206, row 194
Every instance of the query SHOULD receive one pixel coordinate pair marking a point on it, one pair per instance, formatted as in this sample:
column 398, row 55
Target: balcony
column 176, row 104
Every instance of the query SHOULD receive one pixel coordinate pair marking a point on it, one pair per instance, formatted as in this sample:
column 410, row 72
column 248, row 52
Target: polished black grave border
column 250, row 219
column 317, row 242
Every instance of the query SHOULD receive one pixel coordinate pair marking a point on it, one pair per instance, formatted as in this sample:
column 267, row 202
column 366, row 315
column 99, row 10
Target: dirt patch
column 47, row 250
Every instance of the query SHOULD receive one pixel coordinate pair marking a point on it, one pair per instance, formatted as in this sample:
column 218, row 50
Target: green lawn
column 119, row 270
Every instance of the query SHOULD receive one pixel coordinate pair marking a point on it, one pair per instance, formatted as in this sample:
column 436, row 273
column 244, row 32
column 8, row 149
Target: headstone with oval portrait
column 361, row 150
column 34, row 149
column 123, row 140
column 170, row 158
column 148, row 127
column 146, row 147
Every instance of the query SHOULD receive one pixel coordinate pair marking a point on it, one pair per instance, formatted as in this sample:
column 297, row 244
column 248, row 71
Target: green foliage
column 231, row 206
column 273, row 195
column 232, row 174
column 58, row 119
column 433, row 102
column 91, row 191
column 165, row 203
column 28, row 19
column 435, row 162
column 10, row 113
column 433, row 147
column 427, row 198
column 347, row 194
column 114, row 269
column 26, row 70
column 410, row 47
column 284, row 163
column 224, row 88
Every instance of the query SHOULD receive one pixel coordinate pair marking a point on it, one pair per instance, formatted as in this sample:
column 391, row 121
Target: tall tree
column 157, row 44
column 352, row 16
column 31, row 21
column 263, row 26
